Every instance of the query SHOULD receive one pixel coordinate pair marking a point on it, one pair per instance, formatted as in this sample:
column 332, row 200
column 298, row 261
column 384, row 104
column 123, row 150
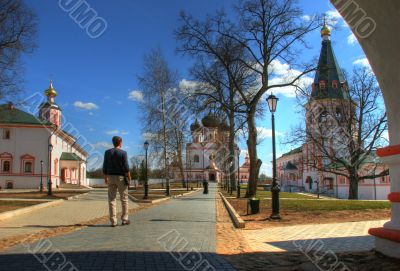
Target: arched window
column 28, row 167
column 323, row 116
column 196, row 159
column 334, row 84
column 6, row 134
column 322, row 84
column 6, row 166
column 338, row 114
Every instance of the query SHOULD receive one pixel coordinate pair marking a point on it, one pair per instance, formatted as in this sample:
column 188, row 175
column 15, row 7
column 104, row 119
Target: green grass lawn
column 328, row 205
column 267, row 194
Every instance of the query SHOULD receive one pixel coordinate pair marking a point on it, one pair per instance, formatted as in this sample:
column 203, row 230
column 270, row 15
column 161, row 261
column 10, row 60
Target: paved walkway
column 69, row 212
column 177, row 235
column 349, row 236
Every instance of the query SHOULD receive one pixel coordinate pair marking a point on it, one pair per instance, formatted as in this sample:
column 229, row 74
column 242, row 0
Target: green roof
column 69, row 156
column 11, row 115
column 294, row 151
column 329, row 70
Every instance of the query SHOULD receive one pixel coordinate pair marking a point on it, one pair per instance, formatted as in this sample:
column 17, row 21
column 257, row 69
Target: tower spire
column 329, row 81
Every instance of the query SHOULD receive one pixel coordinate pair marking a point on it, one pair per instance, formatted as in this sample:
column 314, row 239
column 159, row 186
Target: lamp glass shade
column 272, row 102
column 146, row 145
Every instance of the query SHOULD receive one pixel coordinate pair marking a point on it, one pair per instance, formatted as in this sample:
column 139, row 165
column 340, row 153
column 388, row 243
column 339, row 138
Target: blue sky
column 94, row 77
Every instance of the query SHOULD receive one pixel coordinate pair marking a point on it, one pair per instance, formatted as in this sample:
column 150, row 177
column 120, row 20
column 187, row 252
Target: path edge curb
column 132, row 198
column 25, row 210
column 236, row 219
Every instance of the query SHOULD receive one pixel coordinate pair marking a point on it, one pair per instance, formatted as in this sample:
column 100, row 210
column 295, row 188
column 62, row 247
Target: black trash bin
column 205, row 186
column 254, row 204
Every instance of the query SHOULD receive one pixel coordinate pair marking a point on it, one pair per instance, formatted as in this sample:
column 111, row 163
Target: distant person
column 117, row 176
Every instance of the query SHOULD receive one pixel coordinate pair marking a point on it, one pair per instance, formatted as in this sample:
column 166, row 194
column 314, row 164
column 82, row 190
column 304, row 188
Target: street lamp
column 272, row 101
column 50, row 184
column 230, row 181
column 203, row 144
column 41, row 176
column 167, row 176
column 238, row 173
column 146, row 181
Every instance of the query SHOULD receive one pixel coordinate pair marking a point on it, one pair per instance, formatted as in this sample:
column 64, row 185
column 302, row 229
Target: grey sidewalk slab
column 184, row 226
column 82, row 209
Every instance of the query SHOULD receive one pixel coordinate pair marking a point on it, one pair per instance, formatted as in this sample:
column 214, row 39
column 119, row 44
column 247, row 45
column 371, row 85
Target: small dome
column 325, row 31
column 225, row 127
column 50, row 92
column 195, row 126
column 211, row 121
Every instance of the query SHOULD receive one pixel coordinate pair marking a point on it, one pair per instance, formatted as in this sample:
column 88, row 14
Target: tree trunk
column 180, row 163
column 255, row 163
column 353, row 186
column 232, row 149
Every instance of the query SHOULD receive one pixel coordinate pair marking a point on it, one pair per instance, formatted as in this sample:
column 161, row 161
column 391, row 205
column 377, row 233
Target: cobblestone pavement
column 69, row 212
column 184, row 226
column 349, row 236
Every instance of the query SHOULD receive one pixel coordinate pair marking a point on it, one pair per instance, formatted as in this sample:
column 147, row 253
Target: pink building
column 35, row 149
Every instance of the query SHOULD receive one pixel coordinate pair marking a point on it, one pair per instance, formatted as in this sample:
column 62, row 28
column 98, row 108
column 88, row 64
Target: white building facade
column 35, row 151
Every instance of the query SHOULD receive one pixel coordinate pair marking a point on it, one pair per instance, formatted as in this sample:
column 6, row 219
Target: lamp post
column 167, row 176
column 41, row 176
column 230, row 182
column 203, row 144
column 146, row 181
column 238, row 173
column 272, row 102
column 50, row 184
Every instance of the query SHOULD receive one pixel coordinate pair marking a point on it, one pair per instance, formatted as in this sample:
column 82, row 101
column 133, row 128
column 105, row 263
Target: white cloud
column 85, row 106
column 243, row 153
column 362, row 62
column 306, row 17
column 116, row 132
column 102, row 145
column 136, row 96
column 334, row 14
column 263, row 133
column 149, row 136
column 91, row 114
column 385, row 135
column 281, row 73
column 351, row 39
column 112, row 132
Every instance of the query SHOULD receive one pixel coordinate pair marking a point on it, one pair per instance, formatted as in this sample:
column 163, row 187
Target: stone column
column 387, row 239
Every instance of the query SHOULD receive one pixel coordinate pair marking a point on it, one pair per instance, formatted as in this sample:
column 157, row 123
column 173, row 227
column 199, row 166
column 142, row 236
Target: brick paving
column 338, row 237
column 177, row 235
column 69, row 212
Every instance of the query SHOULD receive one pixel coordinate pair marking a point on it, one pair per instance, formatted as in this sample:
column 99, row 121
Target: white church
column 35, row 151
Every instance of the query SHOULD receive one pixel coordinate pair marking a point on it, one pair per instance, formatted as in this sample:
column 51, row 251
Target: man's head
column 117, row 141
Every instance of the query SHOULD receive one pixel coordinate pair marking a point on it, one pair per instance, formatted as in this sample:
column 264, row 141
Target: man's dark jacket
column 115, row 162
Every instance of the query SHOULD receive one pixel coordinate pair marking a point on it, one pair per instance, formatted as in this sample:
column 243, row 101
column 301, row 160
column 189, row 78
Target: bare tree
column 341, row 135
column 268, row 31
column 159, row 84
column 17, row 34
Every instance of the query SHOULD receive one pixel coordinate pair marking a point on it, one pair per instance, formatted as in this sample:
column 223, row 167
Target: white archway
column 375, row 24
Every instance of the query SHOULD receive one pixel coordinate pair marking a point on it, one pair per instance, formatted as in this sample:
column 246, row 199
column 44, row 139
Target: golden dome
column 325, row 31
column 50, row 92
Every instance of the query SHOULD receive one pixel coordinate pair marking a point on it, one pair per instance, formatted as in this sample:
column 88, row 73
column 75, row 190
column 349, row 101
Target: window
column 196, row 159
column 322, row 84
column 6, row 166
column 6, row 134
column 335, row 84
column 323, row 116
column 338, row 114
column 28, row 167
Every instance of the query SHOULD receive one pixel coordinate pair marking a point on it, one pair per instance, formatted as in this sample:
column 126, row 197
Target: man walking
column 117, row 176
